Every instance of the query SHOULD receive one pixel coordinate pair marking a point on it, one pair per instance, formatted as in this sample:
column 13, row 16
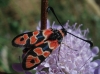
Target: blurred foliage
column 17, row 16
column 4, row 3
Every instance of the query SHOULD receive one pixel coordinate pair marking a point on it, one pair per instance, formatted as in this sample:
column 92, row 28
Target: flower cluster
column 73, row 56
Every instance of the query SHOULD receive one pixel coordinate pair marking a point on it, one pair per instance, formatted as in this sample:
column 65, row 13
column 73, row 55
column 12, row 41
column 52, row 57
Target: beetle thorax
column 56, row 35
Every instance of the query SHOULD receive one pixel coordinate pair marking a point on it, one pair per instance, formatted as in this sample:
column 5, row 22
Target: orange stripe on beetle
column 29, row 65
column 33, row 39
column 22, row 39
column 28, row 61
column 38, row 51
column 46, row 53
column 32, row 61
column 37, row 60
column 47, row 33
column 53, row 44
column 35, row 33
column 39, row 43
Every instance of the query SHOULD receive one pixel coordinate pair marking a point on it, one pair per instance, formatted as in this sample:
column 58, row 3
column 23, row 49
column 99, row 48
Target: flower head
column 73, row 56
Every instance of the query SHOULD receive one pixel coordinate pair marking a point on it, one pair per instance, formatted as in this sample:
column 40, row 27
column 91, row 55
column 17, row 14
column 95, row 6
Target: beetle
column 38, row 45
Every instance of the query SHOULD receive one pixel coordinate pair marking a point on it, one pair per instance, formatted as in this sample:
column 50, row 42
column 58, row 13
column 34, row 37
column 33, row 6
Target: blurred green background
column 17, row 16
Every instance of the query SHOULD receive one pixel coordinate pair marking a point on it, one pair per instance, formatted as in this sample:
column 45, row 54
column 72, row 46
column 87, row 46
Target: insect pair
column 40, row 44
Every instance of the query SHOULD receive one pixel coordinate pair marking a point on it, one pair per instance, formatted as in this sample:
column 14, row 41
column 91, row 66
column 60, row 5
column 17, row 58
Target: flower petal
column 97, row 61
column 48, row 22
column 27, row 72
column 17, row 67
column 97, row 71
column 95, row 50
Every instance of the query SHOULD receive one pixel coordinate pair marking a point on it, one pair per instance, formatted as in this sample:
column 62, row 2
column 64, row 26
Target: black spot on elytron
column 22, row 39
column 32, row 61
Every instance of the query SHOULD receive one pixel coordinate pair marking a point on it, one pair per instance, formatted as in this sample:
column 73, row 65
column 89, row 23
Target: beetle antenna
column 50, row 8
column 88, row 41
